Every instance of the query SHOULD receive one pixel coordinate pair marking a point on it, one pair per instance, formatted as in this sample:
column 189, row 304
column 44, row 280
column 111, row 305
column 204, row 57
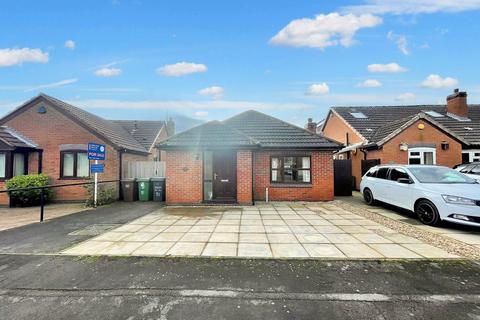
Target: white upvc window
column 422, row 156
column 471, row 155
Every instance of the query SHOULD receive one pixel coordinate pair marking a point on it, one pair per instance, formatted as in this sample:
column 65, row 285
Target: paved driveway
column 466, row 234
column 278, row 230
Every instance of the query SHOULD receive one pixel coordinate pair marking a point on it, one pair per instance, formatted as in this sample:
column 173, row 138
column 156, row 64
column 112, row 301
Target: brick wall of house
column 184, row 177
column 322, row 179
column 390, row 153
column 336, row 129
column 49, row 131
column 244, row 177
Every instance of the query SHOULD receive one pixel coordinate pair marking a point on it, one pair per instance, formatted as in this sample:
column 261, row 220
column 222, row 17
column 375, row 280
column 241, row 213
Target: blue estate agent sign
column 97, row 168
column 96, row 151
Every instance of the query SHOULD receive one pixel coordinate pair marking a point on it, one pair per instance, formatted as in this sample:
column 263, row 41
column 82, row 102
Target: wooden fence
column 143, row 169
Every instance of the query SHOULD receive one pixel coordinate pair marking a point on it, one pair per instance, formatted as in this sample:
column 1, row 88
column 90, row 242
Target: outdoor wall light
column 403, row 146
column 421, row 126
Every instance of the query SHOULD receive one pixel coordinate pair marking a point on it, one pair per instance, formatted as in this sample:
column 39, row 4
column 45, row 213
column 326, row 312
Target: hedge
column 30, row 197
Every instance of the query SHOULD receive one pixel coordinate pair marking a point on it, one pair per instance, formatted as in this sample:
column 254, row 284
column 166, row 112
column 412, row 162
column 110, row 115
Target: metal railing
column 52, row 186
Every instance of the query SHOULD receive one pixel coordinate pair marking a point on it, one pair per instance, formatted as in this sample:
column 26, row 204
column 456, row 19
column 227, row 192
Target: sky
column 139, row 59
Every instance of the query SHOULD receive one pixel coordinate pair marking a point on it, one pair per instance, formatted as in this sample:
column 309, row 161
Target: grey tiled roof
column 250, row 128
column 381, row 121
column 111, row 131
column 210, row 134
column 143, row 131
column 13, row 139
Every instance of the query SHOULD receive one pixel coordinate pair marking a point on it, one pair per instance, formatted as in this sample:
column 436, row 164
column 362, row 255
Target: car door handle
column 215, row 176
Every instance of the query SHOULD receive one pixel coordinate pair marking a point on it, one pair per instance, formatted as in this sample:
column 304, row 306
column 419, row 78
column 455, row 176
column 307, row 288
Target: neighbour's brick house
column 422, row 134
column 246, row 158
column 57, row 134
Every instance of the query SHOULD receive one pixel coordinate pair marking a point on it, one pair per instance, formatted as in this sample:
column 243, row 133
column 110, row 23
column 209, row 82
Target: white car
column 434, row 193
column 471, row 170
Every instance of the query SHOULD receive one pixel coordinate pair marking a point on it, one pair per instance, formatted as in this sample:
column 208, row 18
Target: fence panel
column 143, row 169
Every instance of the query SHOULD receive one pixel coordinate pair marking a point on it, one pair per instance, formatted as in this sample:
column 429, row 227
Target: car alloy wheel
column 368, row 197
column 427, row 213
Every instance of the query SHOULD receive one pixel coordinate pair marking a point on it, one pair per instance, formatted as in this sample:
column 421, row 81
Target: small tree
column 28, row 197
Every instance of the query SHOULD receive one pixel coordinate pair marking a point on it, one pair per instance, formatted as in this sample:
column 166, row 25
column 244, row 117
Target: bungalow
column 51, row 136
column 421, row 134
column 251, row 156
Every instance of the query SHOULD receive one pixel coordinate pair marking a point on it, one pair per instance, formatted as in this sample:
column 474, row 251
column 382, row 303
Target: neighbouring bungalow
column 421, row 134
column 46, row 135
column 249, row 157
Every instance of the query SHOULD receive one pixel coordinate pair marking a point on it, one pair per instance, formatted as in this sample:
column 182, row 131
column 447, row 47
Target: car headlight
column 458, row 200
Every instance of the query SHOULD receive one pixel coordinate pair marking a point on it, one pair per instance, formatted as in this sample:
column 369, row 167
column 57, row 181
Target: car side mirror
column 404, row 181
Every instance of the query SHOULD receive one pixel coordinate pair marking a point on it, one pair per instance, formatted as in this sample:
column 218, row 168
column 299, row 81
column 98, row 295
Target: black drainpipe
column 120, row 153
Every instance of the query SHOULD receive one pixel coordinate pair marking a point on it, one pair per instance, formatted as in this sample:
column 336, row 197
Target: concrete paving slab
column 196, row 237
column 311, row 238
column 153, row 249
column 220, row 250
column 323, row 251
column 341, row 238
column 428, row 251
column 370, row 238
column 259, row 250
column 281, row 238
column 168, row 236
column 227, row 229
column 186, row 249
column 284, row 250
column 120, row 248
column 224, row 237
column 358, row 250
column 140, row 236
column 252, row 229
column 395, row 251
column 253, row 238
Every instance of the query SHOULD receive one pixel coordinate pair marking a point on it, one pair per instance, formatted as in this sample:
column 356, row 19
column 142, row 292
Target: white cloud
column 108, row 72
column 53, row 85
column 318, row 89
column 324, row 30
column 412, row 6
column 70, row 44
column 407, row 96
column 10, row 57
column 370, row 83
column 216, row 92
column 201, row 114
column 400, row 40
column 434, row 81
column 181, row 68
column 386, row 68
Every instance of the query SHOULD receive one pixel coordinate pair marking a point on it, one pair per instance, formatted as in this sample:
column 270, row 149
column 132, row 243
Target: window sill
column 290, row 185
column 74, row 178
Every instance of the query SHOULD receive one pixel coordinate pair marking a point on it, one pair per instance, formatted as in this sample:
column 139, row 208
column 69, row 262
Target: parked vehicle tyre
column 368, row 197
column 427, row 213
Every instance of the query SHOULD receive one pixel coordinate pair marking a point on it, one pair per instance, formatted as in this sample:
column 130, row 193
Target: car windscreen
column 439, row 175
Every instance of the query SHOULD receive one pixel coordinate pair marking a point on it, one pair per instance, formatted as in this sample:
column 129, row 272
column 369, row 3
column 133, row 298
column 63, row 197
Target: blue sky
column 208, row 60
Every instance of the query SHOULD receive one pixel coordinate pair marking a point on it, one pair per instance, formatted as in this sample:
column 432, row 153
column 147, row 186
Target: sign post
column 96, row 152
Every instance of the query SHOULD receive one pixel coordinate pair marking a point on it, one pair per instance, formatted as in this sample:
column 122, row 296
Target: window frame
column 421, row 155
column 75, row 165
column 471, row 155
column 281, row 169
column 25, row 163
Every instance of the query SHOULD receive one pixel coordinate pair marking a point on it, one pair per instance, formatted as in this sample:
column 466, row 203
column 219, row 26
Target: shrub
column 30, row 197
column 105, row 195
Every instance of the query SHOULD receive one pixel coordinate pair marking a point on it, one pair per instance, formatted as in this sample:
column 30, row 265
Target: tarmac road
column 60, row 287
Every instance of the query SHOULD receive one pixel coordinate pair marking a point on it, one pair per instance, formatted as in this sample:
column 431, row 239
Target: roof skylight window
column 434, row 114
column 358, row 115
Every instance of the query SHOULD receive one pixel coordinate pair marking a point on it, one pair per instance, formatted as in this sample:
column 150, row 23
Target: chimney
column 170, row 127
column 457, row 104
column 311, row 126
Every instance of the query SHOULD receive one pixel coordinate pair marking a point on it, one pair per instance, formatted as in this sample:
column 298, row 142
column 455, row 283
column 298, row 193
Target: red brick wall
column 336, row 129
column 244, row 177
column 321, row 173
column 49, row 131
column 390, row 153
column 184, row 177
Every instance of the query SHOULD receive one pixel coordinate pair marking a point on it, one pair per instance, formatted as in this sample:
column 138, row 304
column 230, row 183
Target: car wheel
column 368, row 197
column 427, row 213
